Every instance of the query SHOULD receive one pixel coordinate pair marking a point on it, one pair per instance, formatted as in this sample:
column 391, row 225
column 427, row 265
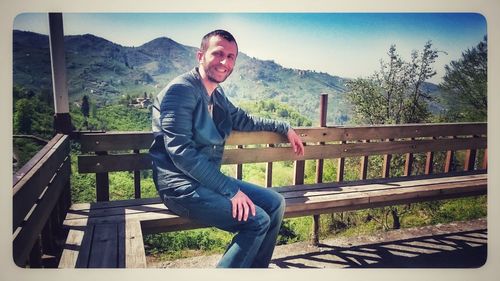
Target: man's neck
column 209, row 85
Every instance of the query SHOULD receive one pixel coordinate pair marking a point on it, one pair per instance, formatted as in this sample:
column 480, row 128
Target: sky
column 348, row 45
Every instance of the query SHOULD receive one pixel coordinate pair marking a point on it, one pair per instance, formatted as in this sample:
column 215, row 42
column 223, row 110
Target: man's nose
column 224, row 61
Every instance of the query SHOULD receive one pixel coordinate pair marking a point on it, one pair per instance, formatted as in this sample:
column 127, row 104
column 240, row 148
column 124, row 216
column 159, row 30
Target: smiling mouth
column 221, row 70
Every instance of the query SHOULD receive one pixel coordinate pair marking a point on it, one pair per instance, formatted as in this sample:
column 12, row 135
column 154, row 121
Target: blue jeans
column 255, row 239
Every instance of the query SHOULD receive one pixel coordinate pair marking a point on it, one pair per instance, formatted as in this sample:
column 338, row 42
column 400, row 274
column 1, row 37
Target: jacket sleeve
column 177, row 108
column 242, row 121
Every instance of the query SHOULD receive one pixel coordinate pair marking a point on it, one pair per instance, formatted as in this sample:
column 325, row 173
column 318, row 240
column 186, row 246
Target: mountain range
column 107, row 72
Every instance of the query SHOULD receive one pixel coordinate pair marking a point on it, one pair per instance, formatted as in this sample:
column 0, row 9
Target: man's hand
column 296, row 142
column 242, row 206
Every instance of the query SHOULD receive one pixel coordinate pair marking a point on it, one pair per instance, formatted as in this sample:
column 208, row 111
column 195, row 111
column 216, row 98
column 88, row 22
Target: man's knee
column 261, row 221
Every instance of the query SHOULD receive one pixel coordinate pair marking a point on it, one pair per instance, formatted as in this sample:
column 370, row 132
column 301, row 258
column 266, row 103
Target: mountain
column 106, row 72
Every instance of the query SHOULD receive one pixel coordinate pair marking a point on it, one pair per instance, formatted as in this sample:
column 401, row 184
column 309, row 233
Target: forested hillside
column 107, row 72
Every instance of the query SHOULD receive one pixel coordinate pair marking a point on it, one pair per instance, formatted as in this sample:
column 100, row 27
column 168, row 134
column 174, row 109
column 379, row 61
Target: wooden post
column 409, row 163
column 363, row 169
column 62, row 119
column 470, row 159
column 298, row 172
column 269, row 171
column 137, row 181
column 102, row 183
column 323, row 109
column 448, row 162
column 239, row 168
column 429, row 163
column 340, row 167
column 386, row 165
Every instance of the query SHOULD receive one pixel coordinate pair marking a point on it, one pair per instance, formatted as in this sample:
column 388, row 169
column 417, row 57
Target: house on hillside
column 141, row 102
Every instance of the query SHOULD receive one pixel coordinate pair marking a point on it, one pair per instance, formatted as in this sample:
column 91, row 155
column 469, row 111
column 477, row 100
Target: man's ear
column 199, row 55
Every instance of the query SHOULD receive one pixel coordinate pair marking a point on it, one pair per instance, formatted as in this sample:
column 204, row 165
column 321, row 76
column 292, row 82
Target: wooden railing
column 41, row 189
column 109, row 152
column 41, row 198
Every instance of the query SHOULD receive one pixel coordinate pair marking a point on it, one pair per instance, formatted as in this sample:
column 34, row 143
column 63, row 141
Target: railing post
column 323, row 109
column 386, row 164
column 363, row 171
column 409, row 163
column 137, row 181
column 470, row 159
column 341, row 167
column 448, row 163
column 269, row 171
column 239, row 168
column 429, row 162
column 102, row 183
column 485, row 159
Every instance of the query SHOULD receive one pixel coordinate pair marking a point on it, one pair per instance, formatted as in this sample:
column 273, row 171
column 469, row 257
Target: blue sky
column 344, row 44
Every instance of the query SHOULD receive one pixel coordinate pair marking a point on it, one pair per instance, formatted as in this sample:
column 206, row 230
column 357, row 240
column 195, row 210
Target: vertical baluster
column 319, row 163
column 137, row 180
column 448, row 163
column 102, row 183
column 363, row 170
column 470, row 159
column 485, row 159
column 239, row 168
column 409, row 163
column 269, row 171
column 429, row 161
column 386, row 165
column 341, row 166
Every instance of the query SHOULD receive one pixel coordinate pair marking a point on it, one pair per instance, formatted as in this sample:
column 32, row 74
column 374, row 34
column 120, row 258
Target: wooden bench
column 110, row 234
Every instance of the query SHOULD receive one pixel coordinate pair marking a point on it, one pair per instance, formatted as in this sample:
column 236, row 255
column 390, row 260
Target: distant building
column 141, row 103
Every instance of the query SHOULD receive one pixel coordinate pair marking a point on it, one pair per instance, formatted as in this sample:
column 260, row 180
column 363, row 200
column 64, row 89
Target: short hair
column 219, row 32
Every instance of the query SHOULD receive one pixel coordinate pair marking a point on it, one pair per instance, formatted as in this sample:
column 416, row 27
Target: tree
column 85, row 108
column 395, row 94
column 22, row 116
column 465, row 85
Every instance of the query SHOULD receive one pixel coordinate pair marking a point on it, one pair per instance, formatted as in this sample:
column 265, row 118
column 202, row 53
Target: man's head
column 217, row 56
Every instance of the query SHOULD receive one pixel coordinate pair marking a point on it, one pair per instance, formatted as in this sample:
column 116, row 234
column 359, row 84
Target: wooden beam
column 117, row 141
column 130, row 162
column 62, row 119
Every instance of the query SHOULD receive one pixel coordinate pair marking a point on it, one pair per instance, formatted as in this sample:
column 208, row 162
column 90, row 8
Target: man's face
column 218, row 60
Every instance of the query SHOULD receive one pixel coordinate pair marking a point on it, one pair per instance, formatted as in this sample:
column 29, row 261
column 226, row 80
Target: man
column 192, row 118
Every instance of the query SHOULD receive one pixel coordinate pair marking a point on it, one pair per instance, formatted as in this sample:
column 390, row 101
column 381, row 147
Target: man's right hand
column 242, row 206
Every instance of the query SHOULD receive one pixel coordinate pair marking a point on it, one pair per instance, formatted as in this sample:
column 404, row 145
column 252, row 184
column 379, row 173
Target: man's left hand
column 296, row 142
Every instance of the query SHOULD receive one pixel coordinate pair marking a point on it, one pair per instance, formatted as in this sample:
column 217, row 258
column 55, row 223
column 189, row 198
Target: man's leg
column 210, row 208
column 273, row 204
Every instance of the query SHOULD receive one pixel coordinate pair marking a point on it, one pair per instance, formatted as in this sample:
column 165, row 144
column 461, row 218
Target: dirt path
column 459, row 244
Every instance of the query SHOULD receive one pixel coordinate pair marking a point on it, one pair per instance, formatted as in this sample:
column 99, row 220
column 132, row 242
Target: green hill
column 107, row 71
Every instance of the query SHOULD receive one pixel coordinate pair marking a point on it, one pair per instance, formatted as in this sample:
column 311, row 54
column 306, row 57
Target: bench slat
column 104, row 249
column 135, row 253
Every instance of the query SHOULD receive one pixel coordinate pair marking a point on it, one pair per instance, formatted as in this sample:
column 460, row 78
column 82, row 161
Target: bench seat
column 110, row 234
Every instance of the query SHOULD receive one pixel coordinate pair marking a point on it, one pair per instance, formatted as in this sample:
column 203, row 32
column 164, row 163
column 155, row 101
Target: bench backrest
column 109, row 152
